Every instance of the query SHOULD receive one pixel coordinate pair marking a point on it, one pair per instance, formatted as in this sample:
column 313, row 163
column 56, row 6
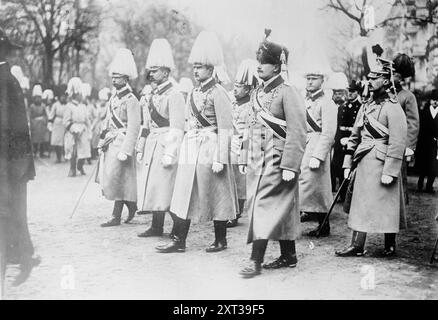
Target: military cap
column 272, row 53
column 404, row 65
column 383, row 69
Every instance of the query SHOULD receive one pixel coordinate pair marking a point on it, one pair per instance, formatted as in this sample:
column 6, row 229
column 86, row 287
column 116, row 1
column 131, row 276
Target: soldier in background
column 56, row 119
column 16, row 169
column 347, row 114
column 404, row 68
column 246, row 80
column 117, row 170
column 426, row 158
column 38, row 121
column 205, row 188
column 48, row 100
column 315, row 179
column 160, row 139
column 277, row 137
column 376, row 148
column 77, row 128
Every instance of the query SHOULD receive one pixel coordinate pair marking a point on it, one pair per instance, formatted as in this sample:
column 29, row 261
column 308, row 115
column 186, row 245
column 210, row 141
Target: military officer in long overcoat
column 376, row 148
column 315, row 179
column 117, row 170
column 161, row 137
column 205, row 188
column 277, row 139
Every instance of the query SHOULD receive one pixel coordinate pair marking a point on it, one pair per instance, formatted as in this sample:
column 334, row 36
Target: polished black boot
column 178, row 243
column 72, row 172
column 389, row 250
column 132, row 209
column 156, row 229
column 220, row 234
column 321, row 230
column 288, row 257
column 308, row 216
column 117, row 215
column 429, row 185
column 356, row 249
column 81, row 166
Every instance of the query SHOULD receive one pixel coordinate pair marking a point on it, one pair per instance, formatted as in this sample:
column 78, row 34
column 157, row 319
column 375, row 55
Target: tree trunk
column 48, row 68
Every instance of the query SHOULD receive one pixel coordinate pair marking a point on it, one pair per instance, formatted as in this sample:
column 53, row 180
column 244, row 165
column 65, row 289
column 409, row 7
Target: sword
column 84, row 189
column 334, row 202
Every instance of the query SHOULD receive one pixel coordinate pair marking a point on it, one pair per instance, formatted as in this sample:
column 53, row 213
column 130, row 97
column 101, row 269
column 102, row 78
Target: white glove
column 314, row 163
column 346, row 173
column 408, row 154
column 139, row 156
column 288, row 175
column 122, row 156
column 242, row 169
column 166, row 160
column 387, row 179
column 344, row 141
column 217, row 167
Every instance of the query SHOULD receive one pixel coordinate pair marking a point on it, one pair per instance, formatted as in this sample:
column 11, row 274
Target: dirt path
column 81, row 260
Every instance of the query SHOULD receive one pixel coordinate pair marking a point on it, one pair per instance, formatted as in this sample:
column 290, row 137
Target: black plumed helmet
column 404, row 65
column 270, row 52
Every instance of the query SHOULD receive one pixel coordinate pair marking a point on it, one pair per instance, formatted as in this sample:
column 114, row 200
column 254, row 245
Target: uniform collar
column 207, row 84
column 314, row 95
column 2, row 62
column 123, row 92
column 161, row 88
column 272, row 83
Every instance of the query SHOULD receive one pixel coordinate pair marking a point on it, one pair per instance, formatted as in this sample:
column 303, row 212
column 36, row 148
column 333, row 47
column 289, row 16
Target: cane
column 338, row 194
column 84, row 189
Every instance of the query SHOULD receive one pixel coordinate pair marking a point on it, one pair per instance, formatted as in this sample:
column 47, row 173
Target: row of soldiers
column 201, row 159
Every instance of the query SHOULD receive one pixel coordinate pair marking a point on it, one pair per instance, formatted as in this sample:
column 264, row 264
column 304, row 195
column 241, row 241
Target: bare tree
column 48, row 28
column 355, row 11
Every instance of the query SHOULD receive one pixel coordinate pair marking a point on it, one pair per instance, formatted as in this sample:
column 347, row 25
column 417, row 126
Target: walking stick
column 84, row 189
column 338, row 194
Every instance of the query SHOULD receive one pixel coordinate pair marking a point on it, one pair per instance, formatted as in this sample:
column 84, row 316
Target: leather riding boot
column 156, row 229
column 117, row 215
column 356, row 249
column 81, row 166
column 323, row 230
column 389, row 250
column 429, row 184
column 172, row 233
column 220, row 234
column 72, row 172
column 132, row 209
column 288, row 257
column 178, row 243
